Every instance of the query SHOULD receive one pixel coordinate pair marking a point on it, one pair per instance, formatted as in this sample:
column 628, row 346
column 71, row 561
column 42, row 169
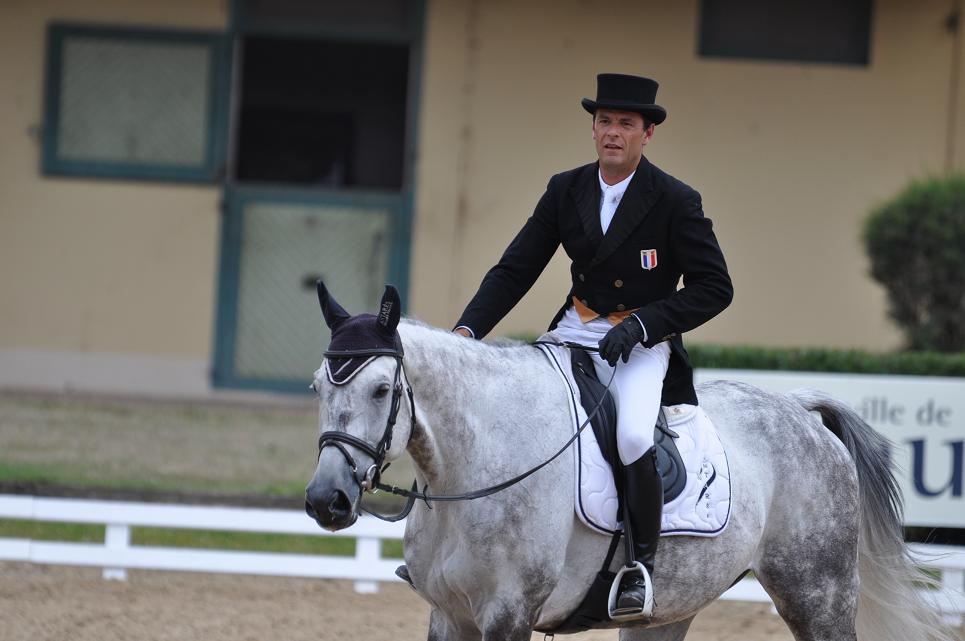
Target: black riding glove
column 621, row 339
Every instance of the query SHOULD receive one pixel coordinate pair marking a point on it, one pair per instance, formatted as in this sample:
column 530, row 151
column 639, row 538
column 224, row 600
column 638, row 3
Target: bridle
column 370, row 480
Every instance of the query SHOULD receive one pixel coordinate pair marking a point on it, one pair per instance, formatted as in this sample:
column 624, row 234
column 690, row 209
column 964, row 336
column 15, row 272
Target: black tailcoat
column 657, row 212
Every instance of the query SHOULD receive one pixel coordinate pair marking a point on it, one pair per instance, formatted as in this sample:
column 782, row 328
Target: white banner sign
column 923, row 416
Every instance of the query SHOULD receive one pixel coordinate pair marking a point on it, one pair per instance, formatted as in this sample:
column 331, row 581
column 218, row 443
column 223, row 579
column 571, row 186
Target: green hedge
column 817, row 359
column 826, row 360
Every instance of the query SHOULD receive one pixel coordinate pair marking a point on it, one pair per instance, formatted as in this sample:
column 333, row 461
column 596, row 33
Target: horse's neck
column 462, row 391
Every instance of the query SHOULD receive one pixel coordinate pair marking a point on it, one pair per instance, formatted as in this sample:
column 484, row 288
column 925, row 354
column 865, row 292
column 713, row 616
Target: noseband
column 370, row 480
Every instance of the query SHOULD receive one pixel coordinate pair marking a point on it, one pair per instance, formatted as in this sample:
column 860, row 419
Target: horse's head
column 365, row 410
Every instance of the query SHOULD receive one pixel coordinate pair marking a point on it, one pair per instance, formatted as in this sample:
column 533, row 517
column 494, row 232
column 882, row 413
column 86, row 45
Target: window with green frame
column 126, row 102
column 812, row 31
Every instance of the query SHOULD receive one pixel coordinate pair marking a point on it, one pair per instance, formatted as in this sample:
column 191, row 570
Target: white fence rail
column 117, row 554
column 366, row 568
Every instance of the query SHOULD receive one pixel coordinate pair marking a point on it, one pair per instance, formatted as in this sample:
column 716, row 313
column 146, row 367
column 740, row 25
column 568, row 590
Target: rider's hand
column 621, row 339
column 462, row 331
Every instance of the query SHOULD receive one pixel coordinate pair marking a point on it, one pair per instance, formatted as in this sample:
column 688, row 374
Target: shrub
column 819, row 359
column 916, row 243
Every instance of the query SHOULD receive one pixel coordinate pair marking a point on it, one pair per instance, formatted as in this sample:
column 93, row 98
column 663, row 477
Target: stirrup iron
column 646, row 612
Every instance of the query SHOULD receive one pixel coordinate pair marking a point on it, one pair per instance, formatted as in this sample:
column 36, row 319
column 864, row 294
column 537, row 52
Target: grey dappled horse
column 816, row 512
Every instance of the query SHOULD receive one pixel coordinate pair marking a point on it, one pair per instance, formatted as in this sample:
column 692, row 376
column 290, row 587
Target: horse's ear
column 331, row 310
column 390, row 309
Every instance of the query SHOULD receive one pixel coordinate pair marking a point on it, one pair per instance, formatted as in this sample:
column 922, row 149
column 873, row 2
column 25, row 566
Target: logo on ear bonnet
column 384, row 313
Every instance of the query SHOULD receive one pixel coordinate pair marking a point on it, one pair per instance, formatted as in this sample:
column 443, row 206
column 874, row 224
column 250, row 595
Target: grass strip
column 73, row 532
column 90, row 477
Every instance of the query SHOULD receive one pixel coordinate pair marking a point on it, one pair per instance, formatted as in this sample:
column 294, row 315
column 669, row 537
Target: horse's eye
column 314, row 387
column 381, row 391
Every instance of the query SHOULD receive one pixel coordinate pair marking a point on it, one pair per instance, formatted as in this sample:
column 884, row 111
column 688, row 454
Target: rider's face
column 620, row 137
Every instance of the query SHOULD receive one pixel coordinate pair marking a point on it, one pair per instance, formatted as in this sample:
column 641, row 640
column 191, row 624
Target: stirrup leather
column 647, row 611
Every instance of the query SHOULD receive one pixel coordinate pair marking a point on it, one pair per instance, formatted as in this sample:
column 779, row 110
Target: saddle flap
column 604, row 422
column 670, row 465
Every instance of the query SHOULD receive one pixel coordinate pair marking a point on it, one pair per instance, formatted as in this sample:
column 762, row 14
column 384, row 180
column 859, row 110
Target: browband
column 350, row 354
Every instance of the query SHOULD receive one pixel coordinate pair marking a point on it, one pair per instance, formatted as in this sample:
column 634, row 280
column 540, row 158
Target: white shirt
column 610, row 198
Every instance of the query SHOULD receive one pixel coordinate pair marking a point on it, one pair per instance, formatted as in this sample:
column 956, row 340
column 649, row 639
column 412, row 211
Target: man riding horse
column 631, row 231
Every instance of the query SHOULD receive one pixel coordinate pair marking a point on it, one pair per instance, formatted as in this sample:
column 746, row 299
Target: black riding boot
column 644, row 497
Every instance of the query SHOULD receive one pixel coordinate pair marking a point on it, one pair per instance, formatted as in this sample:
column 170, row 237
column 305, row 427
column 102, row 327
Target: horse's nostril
column 340, row 503
column 328, row 506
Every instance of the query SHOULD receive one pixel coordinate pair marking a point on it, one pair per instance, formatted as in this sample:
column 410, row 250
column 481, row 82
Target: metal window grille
column 284, row 248
column 131, row 104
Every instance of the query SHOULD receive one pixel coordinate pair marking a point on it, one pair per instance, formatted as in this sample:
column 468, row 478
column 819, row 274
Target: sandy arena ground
column 220, row 448
column 54, row 603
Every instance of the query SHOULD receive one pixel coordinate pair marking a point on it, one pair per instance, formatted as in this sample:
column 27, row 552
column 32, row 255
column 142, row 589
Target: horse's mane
column 499, row 345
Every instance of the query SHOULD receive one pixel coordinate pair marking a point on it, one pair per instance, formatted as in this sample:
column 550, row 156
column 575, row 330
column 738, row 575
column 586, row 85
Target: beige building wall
column 113, row 283
column 789, row 157
column 107, row 283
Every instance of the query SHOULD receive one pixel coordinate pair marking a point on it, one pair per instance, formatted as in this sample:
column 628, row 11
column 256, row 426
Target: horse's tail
column 890, row 607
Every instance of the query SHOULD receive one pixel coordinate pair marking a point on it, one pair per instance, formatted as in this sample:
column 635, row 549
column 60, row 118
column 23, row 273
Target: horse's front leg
column 511, row 615
column 508, row 622
column 441, row 628
column 671, row 632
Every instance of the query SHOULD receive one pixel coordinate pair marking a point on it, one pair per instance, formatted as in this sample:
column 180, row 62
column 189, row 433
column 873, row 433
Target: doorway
column 320, row 179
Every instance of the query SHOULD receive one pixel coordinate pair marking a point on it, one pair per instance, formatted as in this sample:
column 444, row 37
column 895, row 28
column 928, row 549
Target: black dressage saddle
column 604, row 423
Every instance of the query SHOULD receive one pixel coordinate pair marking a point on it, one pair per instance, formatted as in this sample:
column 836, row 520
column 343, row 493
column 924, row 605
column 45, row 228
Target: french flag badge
column 648, row 258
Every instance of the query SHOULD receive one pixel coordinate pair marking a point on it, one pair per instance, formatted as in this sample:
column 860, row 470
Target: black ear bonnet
column 362, row 332
column 359, row 333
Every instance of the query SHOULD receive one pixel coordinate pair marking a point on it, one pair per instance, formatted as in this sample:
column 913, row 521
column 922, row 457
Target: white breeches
column 637, row 384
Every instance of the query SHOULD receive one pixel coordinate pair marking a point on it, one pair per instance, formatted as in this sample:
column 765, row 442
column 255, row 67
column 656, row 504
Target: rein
column 371, row 481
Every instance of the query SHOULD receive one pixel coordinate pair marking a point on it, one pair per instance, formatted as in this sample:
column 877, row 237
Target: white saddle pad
column 702, row 509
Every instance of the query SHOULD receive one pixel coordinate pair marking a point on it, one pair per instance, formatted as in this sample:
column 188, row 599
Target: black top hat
column 626, row 93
